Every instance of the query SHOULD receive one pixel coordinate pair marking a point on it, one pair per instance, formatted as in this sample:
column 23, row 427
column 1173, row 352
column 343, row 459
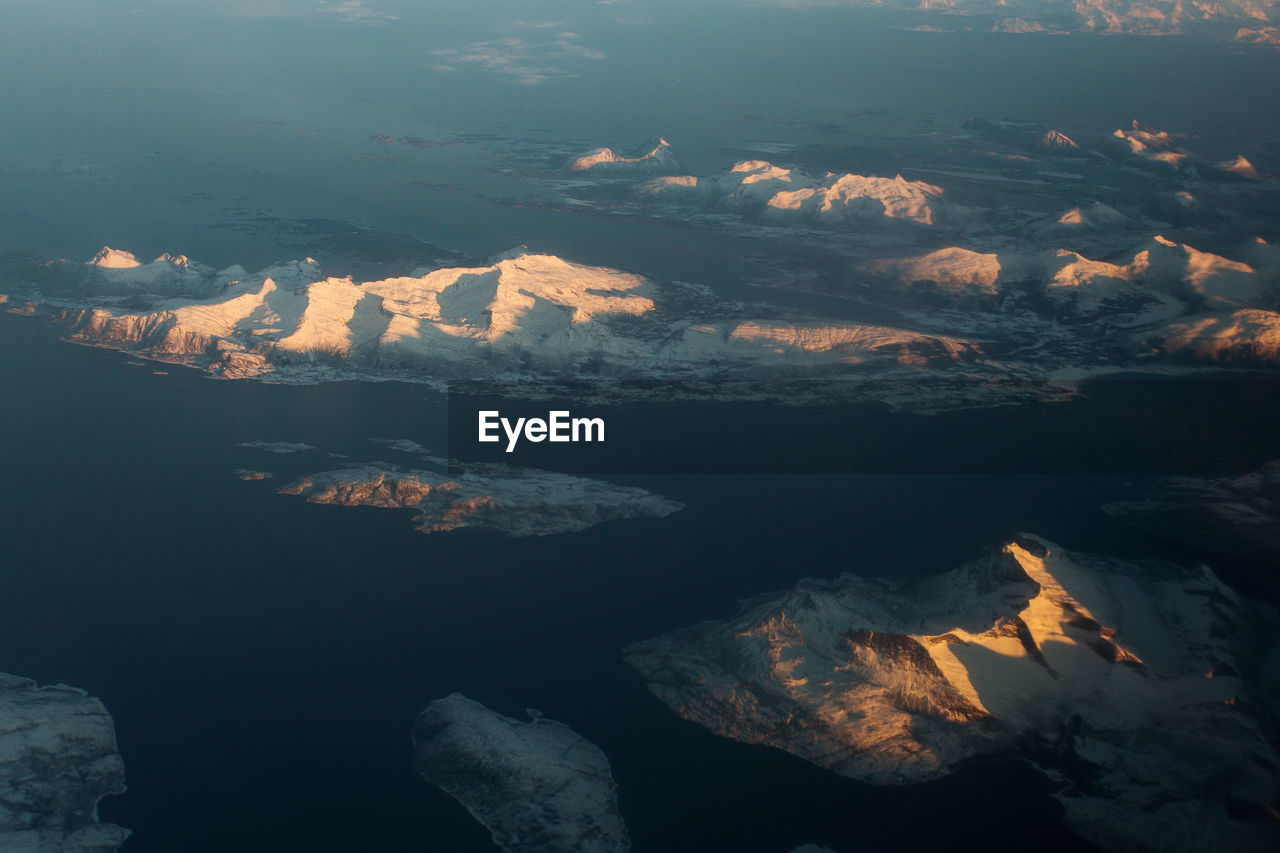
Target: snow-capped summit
column 1188, row 272
column 1239, row 166
column 118, row 259
column 1056, row 140
column 115, row 271
column 1095, row 215
column 652, row 158
column 1157, row 146
column 524, row 314
column 761, row 188
column 115, row 259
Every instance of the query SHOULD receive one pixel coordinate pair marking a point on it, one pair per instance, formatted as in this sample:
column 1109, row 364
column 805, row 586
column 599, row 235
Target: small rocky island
column 538, row 787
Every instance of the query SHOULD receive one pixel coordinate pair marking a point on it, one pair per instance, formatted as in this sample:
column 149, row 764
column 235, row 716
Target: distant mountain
column 1095, row 215
column 1159, row 281
column 58, row 759
column 759, row 188
column 1239, row 166
column 1230, row 515
column 498, row 498
column 523, row 318
column 1006, row 323
column 1243, row 20
column 1142, row 690
column 653, row 158
column 1029, row 136
column 537, row 786
column 1056, row 140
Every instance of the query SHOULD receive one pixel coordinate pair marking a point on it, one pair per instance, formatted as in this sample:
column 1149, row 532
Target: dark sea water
column 264, row 658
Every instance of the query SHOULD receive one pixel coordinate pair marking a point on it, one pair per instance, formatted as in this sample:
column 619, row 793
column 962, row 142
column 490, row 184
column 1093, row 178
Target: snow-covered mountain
column 652, row 158
column 1095, row 215
column 1240, row 166
column 1141, row 688
column 759, row 188
column 498, row 498
column 1004, row 322
column 1247, row 337
column 58, row 758
column 537, row 786
column 1025, row 135
column 1145, row 143
column 113, row 272
column 525, row 316
column 1160, row 279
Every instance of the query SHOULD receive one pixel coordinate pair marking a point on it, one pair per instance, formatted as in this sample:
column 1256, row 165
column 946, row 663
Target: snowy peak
column 114, row 259
column 525, row 317
column 1246, row 337
column 1096, row 215
column 1219, row 281
column 1162, row 276
column 956, row 271
column 653, row 158
column 118, row 259
column 521, row 294
column 1056, row 140
column 1239, row 166
column 1145, row 143
column 760, row 188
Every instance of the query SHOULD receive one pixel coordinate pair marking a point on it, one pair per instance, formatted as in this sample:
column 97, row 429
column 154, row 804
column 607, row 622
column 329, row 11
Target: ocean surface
column 264, row 658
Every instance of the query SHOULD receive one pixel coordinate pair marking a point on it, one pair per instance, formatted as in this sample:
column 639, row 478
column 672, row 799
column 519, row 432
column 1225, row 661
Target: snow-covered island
column 999, row 328
column 1146, row 691
column 58, row 758
column 538, row 787
column 652, row 158
column 498, row 498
